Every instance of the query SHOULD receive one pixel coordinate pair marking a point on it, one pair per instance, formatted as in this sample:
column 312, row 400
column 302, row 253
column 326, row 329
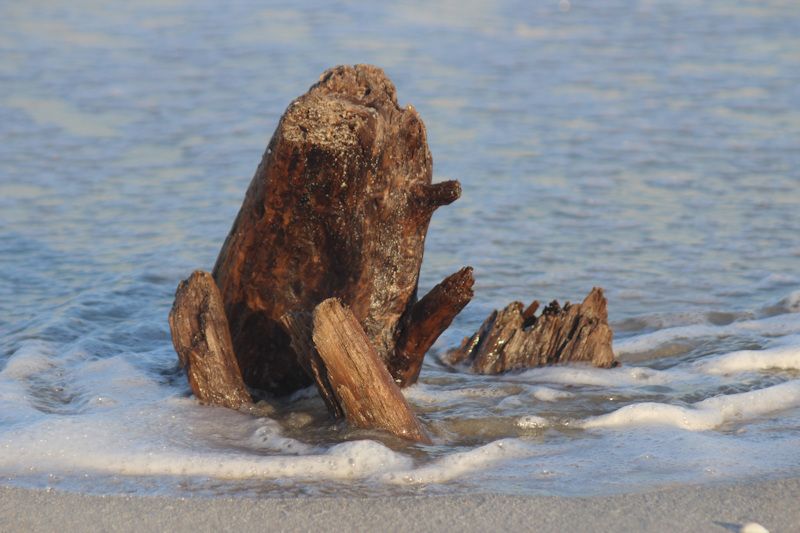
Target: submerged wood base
column 202, row 339
column 515, row 338
column 351, row 377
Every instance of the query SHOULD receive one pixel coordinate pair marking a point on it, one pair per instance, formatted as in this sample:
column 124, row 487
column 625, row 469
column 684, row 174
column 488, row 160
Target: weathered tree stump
column 514, row 338
column 351, row 378
column 339, row 207
column 202, row 339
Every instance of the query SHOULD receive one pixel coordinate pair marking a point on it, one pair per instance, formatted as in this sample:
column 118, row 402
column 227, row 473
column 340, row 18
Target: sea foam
column 574, row 375
column 703, row 415
column 69, row 444
column 780, row 357
column 460, row 463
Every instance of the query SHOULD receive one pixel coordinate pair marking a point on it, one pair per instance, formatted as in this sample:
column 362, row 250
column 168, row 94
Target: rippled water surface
column 650, row 148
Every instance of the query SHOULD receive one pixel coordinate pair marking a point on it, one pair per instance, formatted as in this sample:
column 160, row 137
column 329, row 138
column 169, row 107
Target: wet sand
column 773, row 504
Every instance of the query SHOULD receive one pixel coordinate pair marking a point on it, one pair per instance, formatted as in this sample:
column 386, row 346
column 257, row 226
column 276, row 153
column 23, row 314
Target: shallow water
column 646, row 147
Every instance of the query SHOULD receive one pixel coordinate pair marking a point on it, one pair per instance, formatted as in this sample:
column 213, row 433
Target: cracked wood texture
column 339, row 206
column 202, row 339
column 300, row 327
column 514, row 338
column 356, row 377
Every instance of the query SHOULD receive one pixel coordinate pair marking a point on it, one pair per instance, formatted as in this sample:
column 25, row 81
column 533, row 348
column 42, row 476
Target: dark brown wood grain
column 202, row 339
column 339, row 207
column 513, row 338
column 357, row 377
column 300, row 327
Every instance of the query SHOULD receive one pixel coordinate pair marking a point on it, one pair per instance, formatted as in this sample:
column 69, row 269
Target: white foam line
column 704, row 415
column 349, row 460
column 600, row 377
column 458, row 464
column 781, row 357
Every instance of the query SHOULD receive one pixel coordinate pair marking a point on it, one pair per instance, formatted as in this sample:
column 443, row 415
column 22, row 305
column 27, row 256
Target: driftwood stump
column 351, row 378
column 317, row 280
column 202, row 339
column 515, row 338
column 338, row 207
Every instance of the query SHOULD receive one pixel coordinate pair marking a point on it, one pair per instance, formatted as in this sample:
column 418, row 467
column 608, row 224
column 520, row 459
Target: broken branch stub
column 514, row 338
column 429, row 318
column 338, row 207
column 202, row 339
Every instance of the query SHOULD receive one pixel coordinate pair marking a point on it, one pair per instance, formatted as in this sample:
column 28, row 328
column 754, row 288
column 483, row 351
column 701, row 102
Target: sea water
column 648, row 147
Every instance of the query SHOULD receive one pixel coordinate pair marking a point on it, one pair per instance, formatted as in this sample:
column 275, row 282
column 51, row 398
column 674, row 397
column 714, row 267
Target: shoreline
column 773, row 504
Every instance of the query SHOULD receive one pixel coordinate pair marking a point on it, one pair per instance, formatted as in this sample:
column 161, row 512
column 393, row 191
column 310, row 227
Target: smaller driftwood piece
column 349, row 374
column 515, row 338
column 202, row 339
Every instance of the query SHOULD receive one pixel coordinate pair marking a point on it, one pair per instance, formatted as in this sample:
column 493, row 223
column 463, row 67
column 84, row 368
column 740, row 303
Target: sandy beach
column 772, row 504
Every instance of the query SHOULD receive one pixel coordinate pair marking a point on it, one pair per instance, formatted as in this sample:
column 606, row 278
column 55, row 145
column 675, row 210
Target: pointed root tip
column 462, row 281
column 595, row 296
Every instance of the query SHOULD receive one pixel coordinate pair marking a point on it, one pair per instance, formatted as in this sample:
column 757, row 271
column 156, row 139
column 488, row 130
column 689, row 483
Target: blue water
column 646, row 147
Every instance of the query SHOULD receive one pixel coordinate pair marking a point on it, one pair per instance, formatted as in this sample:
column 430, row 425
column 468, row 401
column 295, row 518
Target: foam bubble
column 268, row 437
column 532, row 422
